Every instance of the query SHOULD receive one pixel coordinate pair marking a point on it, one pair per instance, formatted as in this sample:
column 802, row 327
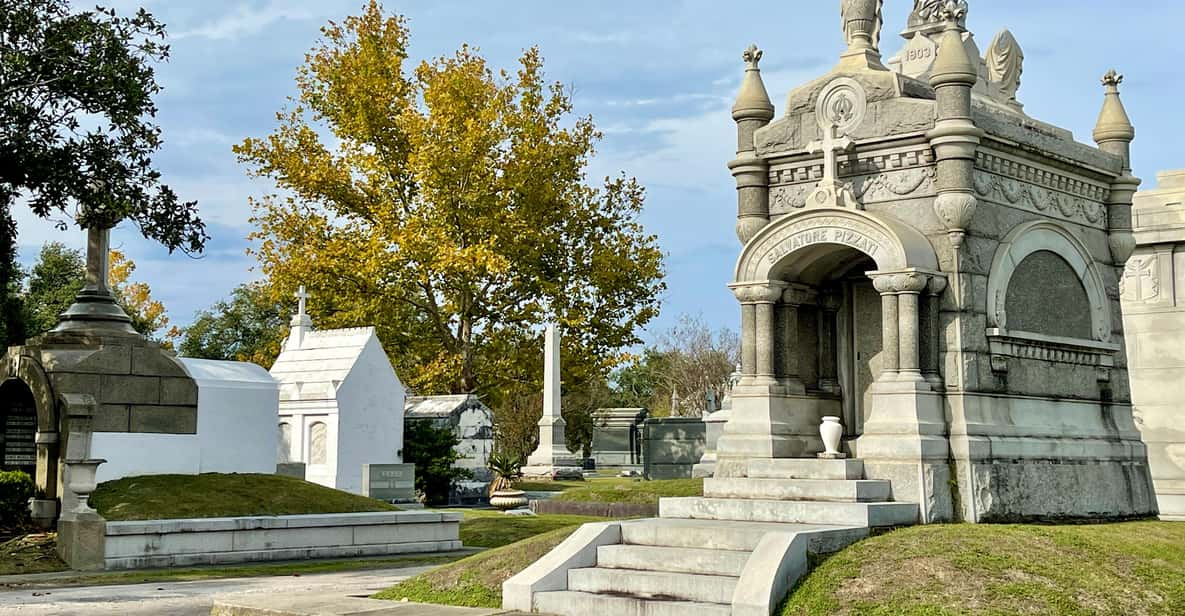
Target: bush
column 433, row 450
column 16, row 488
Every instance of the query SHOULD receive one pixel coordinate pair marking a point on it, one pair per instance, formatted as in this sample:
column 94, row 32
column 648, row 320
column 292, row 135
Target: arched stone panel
column 1049, row 236
column 29, row 371
column 893, row 245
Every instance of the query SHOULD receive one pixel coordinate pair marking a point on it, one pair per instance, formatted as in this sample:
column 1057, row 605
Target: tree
column 59, row 275
column 250, row 326
column 433, row 450
column 76, row 120
column 450, row 210
column 56, row 277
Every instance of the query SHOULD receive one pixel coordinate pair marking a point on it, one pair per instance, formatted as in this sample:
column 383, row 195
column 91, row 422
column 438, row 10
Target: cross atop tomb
column 831, row 192
column 94, row 308
column 301, row 296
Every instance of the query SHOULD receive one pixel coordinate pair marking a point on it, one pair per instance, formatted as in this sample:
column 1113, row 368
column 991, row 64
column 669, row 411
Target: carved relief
column 842, row 104
column 785, row 198
column 1084, row 207
column 823, row 230
column 889, row 186
column 1141, row 280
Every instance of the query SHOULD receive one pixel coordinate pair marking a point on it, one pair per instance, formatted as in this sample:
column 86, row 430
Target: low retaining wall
column 604, row 510
column 209, row 541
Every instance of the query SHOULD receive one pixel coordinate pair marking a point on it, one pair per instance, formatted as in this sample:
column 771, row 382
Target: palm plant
column 506, row 468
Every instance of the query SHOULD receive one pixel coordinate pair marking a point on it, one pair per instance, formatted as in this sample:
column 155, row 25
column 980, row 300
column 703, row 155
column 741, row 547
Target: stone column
column 751, row 111
column 748, row 339
column 933, row 355
column 791, row 352
column 909, row 288
column 765, row 298
column 829, row 303
column 885, row 285
column 1114, row 134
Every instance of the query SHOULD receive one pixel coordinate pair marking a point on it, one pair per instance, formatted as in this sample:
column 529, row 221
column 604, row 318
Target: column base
column 769, row 425
column 905, row 442
column 82, row 541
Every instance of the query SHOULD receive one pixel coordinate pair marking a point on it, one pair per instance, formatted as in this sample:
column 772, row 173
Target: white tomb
column 341, row 404
column 236, row 428
column 470, row 420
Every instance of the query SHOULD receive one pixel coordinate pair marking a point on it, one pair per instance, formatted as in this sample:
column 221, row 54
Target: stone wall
column 211, row 541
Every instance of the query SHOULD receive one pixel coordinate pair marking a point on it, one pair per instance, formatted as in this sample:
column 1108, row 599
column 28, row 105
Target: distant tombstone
column 290, row 469
column 671, row 446
column 389, row 482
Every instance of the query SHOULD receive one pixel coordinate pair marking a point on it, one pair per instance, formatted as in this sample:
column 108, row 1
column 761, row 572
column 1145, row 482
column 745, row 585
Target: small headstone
column 394, row 483
column 291, row 469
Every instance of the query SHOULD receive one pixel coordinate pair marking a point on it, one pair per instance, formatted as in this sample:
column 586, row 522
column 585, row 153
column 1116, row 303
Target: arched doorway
column 837, row 307
column 18, row 428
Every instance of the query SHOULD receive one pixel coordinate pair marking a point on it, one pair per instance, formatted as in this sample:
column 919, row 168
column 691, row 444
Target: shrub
column 16, row 488
column 432, row 449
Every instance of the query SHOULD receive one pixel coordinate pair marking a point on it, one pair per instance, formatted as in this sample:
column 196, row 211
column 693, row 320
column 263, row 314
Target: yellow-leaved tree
column 148, row 315
column 448, row 205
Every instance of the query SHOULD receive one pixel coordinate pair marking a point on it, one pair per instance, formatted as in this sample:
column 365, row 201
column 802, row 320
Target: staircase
column 735, row 551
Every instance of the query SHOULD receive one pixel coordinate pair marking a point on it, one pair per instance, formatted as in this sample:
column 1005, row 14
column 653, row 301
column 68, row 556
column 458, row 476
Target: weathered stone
column 163, row 419
column 127, row 389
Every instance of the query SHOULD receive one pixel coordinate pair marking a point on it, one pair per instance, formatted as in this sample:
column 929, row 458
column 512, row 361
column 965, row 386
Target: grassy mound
column 626, row 490
column 1135, row 568
column 492, row 529
column 476, row 581
column 212, row 495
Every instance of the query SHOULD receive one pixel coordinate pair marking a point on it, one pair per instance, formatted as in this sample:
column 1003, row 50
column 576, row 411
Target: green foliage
column 16, row 488
column 643, row 382
column 506, row 467
column 634, row 491
column 432, row 449
column 12, row 313
column 76, row 90
column 212, row 495
column 250, row 326
column 54, row 280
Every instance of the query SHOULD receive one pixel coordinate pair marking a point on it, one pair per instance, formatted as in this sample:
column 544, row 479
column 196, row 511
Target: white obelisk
column 552, row 458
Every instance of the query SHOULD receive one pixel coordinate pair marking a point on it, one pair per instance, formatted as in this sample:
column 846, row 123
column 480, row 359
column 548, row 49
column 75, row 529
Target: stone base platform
column 734, row 552
column 216, row 541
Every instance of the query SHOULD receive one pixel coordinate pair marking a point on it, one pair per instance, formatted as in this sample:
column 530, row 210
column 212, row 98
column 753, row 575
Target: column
column 759, row 335
column 884, row 285
column 829, row 303
column 910, row 286
column 748, row 340
column 930, row 367
column 788, row 371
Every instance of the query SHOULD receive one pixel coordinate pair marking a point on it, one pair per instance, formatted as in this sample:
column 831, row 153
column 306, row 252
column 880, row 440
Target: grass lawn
column 630, row 490
column 476, row 581
column 30, row 554
column 491, row 529
column 1134, row 568
column 553, row 486
column 213, row 495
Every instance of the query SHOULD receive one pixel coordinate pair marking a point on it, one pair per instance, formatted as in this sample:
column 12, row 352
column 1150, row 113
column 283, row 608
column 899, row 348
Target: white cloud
column 245, row 20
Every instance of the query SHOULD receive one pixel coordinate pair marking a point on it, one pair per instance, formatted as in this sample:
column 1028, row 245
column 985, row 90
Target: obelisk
column 551, row 458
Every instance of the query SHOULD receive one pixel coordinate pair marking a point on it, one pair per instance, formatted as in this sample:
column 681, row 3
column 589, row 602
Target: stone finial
column 752, row 101
column 301, row 324
column 953, row 65
column 1114, row 131
column 862, row 22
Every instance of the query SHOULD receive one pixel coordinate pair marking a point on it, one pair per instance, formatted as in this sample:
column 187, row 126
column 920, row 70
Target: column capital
column 905, row 281
column 936, row 285
column 767, row 292
column 799, row 295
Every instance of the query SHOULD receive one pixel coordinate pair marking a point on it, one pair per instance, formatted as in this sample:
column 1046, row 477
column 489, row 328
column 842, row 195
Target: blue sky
column 658, row 78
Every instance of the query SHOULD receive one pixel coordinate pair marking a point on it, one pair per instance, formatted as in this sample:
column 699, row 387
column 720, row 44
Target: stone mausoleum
column 926, row 261
column 940, row 272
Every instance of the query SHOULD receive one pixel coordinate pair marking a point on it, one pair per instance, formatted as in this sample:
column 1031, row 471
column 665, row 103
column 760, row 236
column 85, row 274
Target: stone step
column 674, row 560
column 831, row 490
column 570, row 603
column 732, row 535
column 790, row 512
column 805, row 468
column 660, row 585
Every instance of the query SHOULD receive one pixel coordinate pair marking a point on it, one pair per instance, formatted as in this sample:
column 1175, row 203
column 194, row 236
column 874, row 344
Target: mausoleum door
column 864, row 358
column 18, row 428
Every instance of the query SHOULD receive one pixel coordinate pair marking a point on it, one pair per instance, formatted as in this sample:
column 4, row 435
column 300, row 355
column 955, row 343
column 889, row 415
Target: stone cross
column 94, row 308
column 98, row 254
column 301, row 295
column 830, row 191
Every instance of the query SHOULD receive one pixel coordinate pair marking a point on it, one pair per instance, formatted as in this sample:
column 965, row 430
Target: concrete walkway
column 197, row 598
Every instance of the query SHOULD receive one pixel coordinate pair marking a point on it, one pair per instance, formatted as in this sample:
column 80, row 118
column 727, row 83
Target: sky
column 658, row 79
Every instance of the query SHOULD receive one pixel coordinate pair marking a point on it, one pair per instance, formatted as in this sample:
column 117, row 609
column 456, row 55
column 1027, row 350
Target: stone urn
column 506, row 500
column 80, row 479
column 43, row 511
column 832, row 432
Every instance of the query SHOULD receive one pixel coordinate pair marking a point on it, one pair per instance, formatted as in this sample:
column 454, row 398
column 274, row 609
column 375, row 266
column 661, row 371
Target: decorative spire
column 752, row 101
column 953, row 64
column 301, row 324
column 1114, row 131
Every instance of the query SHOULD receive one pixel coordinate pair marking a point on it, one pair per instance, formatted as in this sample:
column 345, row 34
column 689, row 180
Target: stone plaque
column 389, row 482
column 19, row 441
column 918, row 56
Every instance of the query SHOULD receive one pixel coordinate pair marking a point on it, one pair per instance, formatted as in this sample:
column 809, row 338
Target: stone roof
column 429, row 407
column 208, row 372
column 324, row 356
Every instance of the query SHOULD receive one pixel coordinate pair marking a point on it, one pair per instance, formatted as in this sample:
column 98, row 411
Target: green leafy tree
column 451, row 209
column 248, row 326
column 56, row 277
column 432, row 449
column 77, row 120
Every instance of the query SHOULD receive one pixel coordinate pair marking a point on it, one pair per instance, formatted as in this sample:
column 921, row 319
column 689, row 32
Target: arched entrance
column 837, row 305
column 29, row 421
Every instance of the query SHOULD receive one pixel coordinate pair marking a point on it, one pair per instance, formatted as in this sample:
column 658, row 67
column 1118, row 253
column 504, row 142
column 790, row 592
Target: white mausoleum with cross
column 341, row 403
